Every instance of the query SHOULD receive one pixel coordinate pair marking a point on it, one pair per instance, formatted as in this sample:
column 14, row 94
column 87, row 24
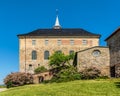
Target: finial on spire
column 56, row 11
column 57, row 24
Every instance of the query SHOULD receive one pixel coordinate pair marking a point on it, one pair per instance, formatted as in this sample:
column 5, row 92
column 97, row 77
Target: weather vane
column 56, row 11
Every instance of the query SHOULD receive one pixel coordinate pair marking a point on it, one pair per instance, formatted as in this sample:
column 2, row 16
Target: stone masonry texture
column 87, row 59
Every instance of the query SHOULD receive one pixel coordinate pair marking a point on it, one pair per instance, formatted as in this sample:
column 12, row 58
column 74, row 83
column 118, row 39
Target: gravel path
column 3, row 89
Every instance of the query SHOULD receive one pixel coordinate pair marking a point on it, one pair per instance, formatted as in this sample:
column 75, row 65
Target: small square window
column 84, row 42
column 33, row 42
column 59, row 42
column 71, row 52
column 71, row 42
column 46, row 42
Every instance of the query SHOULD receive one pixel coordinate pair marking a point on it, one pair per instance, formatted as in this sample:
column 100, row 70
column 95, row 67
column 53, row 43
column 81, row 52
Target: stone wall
column 38, row 78
column 114, row 44
column 26, row 47
column 94, row 57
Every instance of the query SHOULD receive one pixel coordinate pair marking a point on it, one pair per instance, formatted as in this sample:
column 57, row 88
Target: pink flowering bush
column 90, row 73
column 18, row 79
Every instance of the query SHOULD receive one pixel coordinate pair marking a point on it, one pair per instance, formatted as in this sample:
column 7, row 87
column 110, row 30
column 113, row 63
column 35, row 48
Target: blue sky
column 22, row 16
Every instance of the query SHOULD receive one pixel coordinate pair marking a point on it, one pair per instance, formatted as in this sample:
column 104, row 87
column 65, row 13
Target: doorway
column 112, row 71
column 41, row 79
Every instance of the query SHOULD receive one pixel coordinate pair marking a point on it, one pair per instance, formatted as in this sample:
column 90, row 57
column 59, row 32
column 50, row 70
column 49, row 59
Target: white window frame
column 46, row 42
column 71, row 42
column 59, row 42
column 84, row 42
column 33, row 42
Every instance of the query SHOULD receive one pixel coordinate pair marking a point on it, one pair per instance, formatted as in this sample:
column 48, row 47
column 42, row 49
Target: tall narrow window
column 33, row 42
column 71, row 52
column 34, row 55
column 46, row 42
column 30, row 67
column 46, row 55
column 84, row 42
column 59, row 42
column 71, row 42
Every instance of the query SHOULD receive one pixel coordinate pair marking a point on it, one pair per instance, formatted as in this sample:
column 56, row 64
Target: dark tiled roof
column 112, row 34
column 60, row 32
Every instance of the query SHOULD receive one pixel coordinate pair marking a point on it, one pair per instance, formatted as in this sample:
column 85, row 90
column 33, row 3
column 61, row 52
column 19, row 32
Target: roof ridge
column 92, row 48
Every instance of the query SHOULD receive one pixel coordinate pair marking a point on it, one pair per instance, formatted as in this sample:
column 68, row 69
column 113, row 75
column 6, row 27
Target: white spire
column 57, row 21
column 57, row 24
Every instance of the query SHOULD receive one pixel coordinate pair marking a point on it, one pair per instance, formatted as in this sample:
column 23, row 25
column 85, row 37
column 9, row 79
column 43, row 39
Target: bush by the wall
column 68, row 74
column 90, row 73
column 18, row 79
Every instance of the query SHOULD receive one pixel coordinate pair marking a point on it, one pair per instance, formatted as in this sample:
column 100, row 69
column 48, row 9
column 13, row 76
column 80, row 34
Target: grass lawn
column 2, row 86
column 109, row 87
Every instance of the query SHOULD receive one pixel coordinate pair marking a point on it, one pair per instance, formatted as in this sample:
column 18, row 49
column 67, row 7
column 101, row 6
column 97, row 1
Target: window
column 59, row 42
column 33, row 42
column 84, row 42
column 71, row 52
column 46, row 55
column 46, row 42
column 34, row 55
column 71, row 42
column 96, row 53
column 38, row 65
column 30, row 67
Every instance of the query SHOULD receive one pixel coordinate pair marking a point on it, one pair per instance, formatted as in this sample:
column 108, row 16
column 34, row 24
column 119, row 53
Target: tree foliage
column 59, row 59
column 40, row 69
column 66, row 74
column 62, row 68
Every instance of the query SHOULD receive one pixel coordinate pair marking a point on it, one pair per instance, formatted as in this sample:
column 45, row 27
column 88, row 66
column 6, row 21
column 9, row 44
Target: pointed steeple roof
column 57, row 24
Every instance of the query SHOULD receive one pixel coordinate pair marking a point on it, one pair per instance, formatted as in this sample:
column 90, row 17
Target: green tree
column 63, row 70
column 60, row 59
column 40, row 69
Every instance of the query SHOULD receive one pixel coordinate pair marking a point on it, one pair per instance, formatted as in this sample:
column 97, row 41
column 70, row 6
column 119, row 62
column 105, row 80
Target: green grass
column 109, row 87
column 2, row 86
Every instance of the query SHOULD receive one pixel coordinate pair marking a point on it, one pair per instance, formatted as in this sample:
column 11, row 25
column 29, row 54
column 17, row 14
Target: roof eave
column 112, row 34
column 59, row 36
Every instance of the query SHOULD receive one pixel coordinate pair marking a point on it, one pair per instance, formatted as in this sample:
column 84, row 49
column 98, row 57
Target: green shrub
column 65, row 75
column 18, row 79
column 40, row 69
column 103, row 77
column 90, row 73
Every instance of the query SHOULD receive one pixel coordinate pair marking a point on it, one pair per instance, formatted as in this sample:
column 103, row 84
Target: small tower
column 57, row 24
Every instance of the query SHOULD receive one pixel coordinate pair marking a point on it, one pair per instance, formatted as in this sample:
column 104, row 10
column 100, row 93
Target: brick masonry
column 26, row 47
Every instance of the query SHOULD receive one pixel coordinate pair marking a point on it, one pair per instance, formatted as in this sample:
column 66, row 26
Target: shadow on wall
column 117, row 84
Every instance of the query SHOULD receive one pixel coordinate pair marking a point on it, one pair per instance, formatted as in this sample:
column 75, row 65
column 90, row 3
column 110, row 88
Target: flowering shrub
column 18, row 79
column 90, row 73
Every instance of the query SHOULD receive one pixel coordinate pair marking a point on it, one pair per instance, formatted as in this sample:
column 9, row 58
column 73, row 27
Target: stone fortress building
column 35, row 47
column 113, row 41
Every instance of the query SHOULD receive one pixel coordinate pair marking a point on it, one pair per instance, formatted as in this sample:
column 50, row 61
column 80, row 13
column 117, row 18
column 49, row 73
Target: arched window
column 34, row 55
column 71, row 52
column 46, row 55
